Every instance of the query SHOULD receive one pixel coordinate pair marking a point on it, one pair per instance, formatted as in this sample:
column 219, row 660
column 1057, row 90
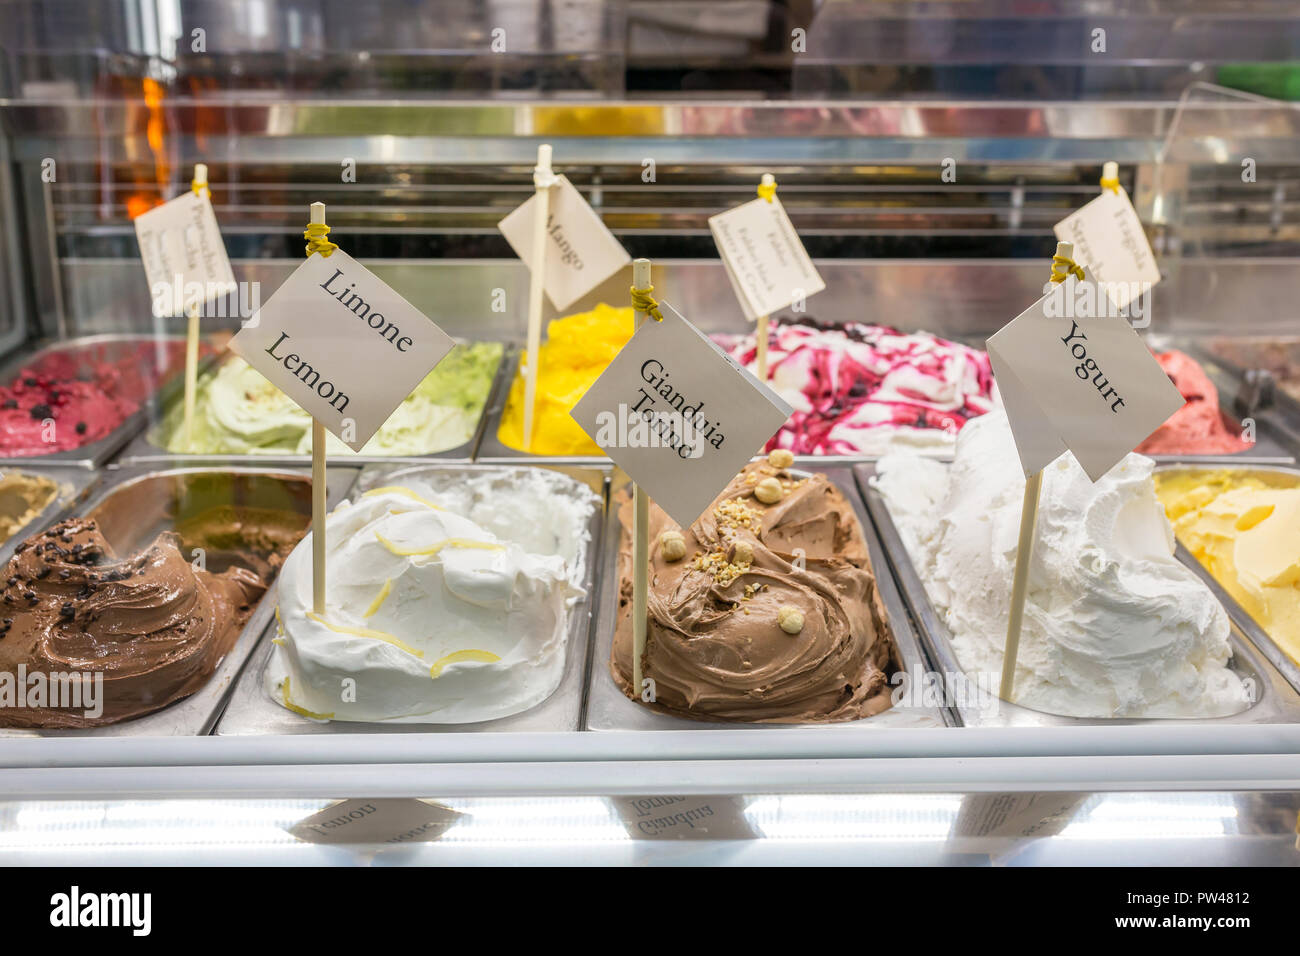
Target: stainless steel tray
column 252, row 711
column 142, row 450
column 194, row 715
column 96, row 453
column 75, row 485
column 1275, row 700
column 491, row 447
column 609, row 709
column 1279, row 658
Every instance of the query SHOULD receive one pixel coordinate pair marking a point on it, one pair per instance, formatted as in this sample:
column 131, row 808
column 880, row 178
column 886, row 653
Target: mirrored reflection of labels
column 1001, row 823
column 342, row 344
column 393, row 821
column 684, row 818
column 766, row 262
column 1088, row 384
column 184, row 256
column 679, row 415
column 1110, row 243
column 581, row 252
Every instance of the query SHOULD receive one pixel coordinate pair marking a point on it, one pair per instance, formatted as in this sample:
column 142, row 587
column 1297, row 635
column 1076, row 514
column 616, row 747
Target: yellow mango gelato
column 577, row 349
column 1244, row 527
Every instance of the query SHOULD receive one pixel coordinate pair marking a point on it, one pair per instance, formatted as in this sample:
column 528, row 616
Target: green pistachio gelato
column 238, row 412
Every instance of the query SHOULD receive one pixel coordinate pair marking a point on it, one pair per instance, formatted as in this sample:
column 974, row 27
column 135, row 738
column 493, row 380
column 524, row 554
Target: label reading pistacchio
column 679, row 415
column 342, row 344
column 581, row 252
column 765, row 260
column 184, row 256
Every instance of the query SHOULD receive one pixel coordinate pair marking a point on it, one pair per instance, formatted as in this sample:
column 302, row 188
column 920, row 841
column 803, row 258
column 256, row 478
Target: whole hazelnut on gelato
column 672, row 546
column 742, row 552
column 769, row 491
column 790, row 618
column 781, row 458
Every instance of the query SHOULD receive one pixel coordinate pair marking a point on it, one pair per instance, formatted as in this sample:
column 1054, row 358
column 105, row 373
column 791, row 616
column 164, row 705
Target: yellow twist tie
column 316, row 241
column 1110, row 183
column 643, row 301
column 1063, row 267
column 200, row 189
column 767, row 190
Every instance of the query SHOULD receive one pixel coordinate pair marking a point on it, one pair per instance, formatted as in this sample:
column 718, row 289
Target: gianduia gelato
column 764, row 610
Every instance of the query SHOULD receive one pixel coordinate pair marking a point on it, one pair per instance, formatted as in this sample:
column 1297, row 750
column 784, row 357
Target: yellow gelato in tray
column 1243, row 525
column 577, row 349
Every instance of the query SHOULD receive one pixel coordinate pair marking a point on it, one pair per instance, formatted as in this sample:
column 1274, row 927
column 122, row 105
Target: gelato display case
column 219, row 645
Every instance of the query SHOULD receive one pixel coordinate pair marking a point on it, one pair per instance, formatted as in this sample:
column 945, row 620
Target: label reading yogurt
column 184, row 257
column 342, row 344
column 768, row 266
column 581, row 252
column 678, row 414
column 1078, row 381
column 1110, row 243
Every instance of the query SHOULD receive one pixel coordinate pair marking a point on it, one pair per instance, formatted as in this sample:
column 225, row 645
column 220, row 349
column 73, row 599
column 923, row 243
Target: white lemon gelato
column 444, row 605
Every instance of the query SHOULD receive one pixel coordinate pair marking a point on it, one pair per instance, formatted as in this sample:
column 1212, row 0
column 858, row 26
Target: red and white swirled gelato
column 860, row 389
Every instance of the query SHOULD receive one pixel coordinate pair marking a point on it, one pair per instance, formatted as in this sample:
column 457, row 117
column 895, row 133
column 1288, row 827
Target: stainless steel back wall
column 958, row 297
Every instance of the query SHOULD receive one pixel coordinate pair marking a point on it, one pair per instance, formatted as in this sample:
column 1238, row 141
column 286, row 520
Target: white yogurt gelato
column 1115, row 625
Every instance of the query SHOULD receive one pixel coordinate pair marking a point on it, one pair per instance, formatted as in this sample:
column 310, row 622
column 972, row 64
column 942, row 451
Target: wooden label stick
column 200, row 187
column 318, row 485
column 1020, row 581
column 766, row 189
column 1025, row 547
column 543, row 179
column 1110, row 176
column 640, row 526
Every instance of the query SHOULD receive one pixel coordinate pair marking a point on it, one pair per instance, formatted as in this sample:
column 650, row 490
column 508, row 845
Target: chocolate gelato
column 742, row 627
column 153, row 623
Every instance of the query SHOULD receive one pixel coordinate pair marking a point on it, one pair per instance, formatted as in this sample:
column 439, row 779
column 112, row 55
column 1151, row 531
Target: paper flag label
column 1088, row 384
column 766, row 263
column 184, row 258
column 581, row 252
column 679, row 415
column 1110, row 244
column 342, row 344
column 389, row 820
column 684, row 818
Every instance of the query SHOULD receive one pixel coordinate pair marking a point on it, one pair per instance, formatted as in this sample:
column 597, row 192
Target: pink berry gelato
column 66, row 399
column 1200, row 427
column 861, row 389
